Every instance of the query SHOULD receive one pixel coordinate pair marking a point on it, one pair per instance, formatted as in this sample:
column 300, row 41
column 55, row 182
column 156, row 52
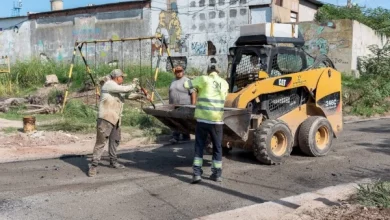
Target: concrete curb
column 289, row 208
column 365, row 120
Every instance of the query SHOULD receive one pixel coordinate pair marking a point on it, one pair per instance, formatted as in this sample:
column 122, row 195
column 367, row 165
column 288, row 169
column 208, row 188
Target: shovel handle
column 147, row 97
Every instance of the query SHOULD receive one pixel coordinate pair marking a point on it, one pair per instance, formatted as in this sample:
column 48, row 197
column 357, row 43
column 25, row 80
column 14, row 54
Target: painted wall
column 333, row 39
column 202, row 31
column 363, row 37
column 307, row 11
column 344, row 41
column 54, row 38
column 15, row 43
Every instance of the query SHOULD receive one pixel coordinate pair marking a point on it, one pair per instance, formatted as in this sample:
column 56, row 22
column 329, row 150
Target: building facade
column 203, row 30
column 197, row 31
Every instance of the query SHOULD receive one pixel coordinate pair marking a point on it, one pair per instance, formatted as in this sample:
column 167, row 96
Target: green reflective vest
column 212, row 91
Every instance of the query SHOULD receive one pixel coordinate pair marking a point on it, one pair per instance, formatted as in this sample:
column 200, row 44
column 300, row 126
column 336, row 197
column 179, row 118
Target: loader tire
column 272, row 142
column 315, row 136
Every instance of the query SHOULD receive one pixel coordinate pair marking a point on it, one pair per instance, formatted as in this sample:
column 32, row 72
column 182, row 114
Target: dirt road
column 156, row 182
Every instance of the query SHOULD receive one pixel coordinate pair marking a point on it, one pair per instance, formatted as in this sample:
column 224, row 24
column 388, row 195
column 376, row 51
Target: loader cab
column 256, row 56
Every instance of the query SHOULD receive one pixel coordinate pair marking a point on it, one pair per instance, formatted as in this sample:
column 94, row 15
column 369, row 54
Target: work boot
column 216, row 178
column 196, row 179
column 117, row 165
column 92, row 171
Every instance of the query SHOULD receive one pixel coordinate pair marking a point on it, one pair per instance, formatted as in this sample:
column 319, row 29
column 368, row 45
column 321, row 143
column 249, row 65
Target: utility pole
column 349, row 3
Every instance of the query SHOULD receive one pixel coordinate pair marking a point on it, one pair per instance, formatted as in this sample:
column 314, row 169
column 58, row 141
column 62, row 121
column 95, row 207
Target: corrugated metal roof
column 12, row 18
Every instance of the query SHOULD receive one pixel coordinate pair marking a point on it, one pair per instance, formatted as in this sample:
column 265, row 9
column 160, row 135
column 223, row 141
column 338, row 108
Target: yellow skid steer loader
column 277, row 100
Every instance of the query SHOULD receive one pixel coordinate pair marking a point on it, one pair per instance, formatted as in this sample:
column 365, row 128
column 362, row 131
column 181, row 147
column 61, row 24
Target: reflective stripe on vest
column 212, row 92
column 198, row 162
column 211, row 100
column 217, row 164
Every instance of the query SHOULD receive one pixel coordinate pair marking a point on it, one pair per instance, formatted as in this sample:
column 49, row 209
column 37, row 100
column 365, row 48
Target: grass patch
column 14, row 115
column 81, row 118
column 69, row 125
column 27, row 76
column 375, row 194
column 9, row 130
column 366, row 95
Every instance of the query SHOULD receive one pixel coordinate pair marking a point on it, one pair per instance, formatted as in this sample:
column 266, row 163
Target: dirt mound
column 347, row 212
column 39, row 138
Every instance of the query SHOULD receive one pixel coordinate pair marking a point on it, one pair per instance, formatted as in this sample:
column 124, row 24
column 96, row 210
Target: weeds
column 376, row 194
column 79, row 117
column 69, row 125
column 78, row 111
column 369, row 94
column 28, row 75
column 53, row 96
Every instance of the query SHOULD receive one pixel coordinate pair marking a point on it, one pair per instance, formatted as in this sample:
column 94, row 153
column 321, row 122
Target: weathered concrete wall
column 333, row 39
column 307, row 11
column 344, row 41
column 201, row 31
column 54, row 38
column 363, row 37
column 15, row 43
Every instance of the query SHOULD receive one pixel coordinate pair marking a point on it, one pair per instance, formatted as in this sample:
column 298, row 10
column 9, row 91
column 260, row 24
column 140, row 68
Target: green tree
column 376, row 18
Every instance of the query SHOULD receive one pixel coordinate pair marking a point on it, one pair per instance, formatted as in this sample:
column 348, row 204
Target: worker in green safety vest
column 212, row 91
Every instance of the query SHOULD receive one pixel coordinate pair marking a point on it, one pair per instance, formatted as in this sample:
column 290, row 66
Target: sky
column 44, row 5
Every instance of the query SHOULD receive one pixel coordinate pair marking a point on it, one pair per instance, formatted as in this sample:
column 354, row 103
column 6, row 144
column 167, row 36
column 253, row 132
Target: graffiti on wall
column 59, row 49
column 169, row 27
column 324, row 39
column 85, row 29
column 199, row 48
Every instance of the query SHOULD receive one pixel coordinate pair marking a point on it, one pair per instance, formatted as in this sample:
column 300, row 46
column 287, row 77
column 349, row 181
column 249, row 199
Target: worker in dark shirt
column 178, row 95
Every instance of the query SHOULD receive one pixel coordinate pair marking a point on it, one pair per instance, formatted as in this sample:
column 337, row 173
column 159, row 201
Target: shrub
column 368, row 95
column 376, row 194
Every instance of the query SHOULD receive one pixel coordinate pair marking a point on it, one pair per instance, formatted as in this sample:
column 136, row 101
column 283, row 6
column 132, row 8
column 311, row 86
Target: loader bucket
column 181, row 118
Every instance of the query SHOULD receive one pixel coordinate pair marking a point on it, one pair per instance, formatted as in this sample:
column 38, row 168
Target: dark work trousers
column 106, row 132
column 176, row 135
column 202, row 131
